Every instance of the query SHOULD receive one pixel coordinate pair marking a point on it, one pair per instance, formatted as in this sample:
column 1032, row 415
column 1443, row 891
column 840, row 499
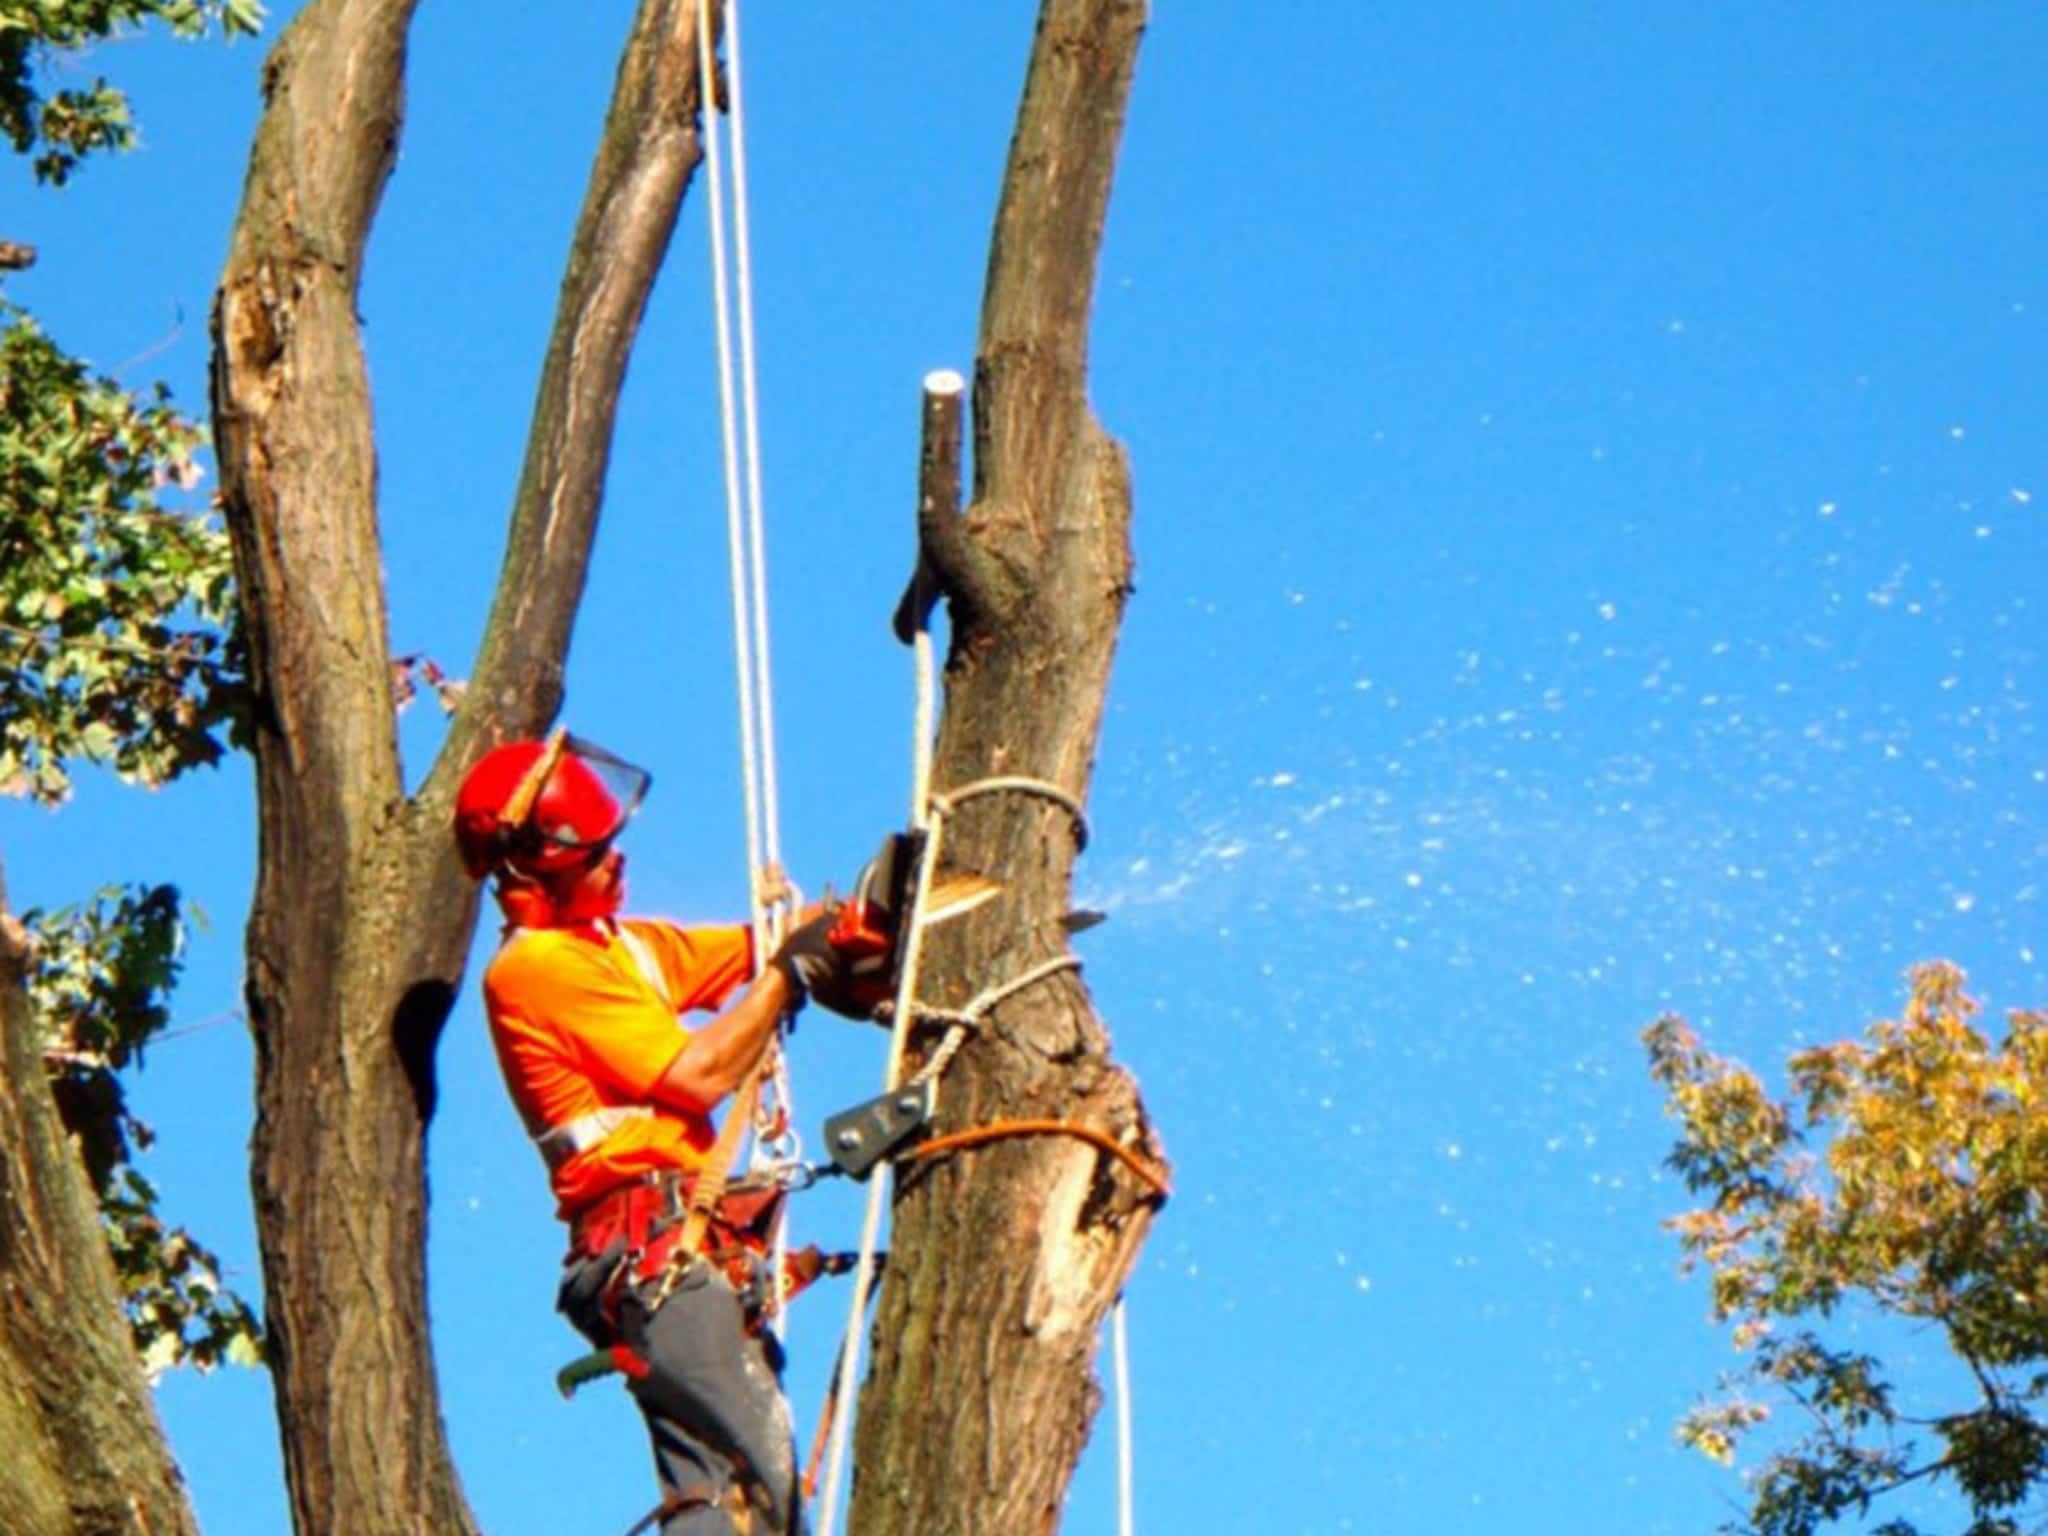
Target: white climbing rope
column 899, row 1034
column 775, row 1144
column 728, row 419
column 751, row 427
column 745, row 538
column 741, row 490
column 1120, row 1354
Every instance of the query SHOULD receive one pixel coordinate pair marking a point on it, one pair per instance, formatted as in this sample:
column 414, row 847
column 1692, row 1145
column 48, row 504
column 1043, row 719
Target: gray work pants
column 712, row 1396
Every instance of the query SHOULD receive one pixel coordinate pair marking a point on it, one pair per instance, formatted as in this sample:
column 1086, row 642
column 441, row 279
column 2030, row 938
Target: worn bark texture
column 83, row 1452
column 362, row 917
column 1006, row 1257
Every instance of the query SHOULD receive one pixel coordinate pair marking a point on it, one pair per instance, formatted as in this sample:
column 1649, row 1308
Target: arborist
column 584, row 1008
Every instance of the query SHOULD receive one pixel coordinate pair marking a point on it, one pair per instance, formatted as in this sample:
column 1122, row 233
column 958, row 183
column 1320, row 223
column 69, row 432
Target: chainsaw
column 867, row 927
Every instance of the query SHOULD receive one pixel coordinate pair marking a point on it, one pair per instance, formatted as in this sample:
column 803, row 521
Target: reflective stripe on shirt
column 643, row 957
column 559, row 1143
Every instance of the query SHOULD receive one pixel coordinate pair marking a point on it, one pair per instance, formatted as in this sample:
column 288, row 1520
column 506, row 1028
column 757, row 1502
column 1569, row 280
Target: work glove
column 807, row 959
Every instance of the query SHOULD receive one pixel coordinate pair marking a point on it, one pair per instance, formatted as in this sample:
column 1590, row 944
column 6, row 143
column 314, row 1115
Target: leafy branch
column 117, row 602
column 61, row 125
column 1902, row 1172
column 99, row 976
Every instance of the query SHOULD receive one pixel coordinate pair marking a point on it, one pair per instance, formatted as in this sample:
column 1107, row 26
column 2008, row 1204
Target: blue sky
column 1592, row 507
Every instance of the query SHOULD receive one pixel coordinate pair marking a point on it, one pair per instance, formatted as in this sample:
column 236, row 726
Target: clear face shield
column 572, row 803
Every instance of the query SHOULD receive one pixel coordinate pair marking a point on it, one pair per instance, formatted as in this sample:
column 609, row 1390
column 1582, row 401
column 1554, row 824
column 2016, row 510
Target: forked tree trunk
column 81, row 1451
column 1005, row 1258
column 982, row 1391
column 361, row 919
column 341, row 914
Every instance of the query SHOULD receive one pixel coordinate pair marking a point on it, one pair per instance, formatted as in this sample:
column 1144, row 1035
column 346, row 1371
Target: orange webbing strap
column 1146, row 1171
column 690, row 1496
column 824, row 1429
column 709, row 1186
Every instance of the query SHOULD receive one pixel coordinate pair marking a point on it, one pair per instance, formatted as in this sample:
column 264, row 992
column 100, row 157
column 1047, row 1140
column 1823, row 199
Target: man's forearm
column 715, row 1059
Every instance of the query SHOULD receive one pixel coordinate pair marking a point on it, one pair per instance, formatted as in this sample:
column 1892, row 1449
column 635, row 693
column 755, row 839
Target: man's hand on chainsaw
column 806, row 957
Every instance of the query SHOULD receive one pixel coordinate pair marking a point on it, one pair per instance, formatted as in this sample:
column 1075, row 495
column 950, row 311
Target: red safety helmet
column 539, row 808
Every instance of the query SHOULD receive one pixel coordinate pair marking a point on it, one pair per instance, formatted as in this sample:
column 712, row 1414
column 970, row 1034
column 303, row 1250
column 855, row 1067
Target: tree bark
column 361, row 919
column 1006, row 1257
column 85, row 1454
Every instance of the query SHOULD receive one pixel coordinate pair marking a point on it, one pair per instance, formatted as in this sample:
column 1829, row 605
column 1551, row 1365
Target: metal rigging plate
column 859, row 1138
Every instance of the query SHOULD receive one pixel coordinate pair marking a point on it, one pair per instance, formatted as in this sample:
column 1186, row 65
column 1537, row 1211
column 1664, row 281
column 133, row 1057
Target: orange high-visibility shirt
column 579, row 1028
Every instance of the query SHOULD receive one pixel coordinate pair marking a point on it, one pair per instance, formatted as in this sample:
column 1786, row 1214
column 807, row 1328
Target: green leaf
column 60, row 130
column 112, row 600
column 1902, row 1179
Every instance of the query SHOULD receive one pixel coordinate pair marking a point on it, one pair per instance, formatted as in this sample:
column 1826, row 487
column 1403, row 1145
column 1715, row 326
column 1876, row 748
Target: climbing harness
column 658, row 1230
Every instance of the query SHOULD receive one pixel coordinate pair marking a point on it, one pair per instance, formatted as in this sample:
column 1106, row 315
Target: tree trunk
column 85, row 1455
column 337, row 992
column 1006, row 1257
column 361, row 918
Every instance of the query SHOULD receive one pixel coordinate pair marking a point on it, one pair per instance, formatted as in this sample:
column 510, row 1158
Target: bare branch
column 156, row 348
column 1994, row 1393
column 1912, row 1475
column 33, row 639
column 946, row 557
column 650, row 148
